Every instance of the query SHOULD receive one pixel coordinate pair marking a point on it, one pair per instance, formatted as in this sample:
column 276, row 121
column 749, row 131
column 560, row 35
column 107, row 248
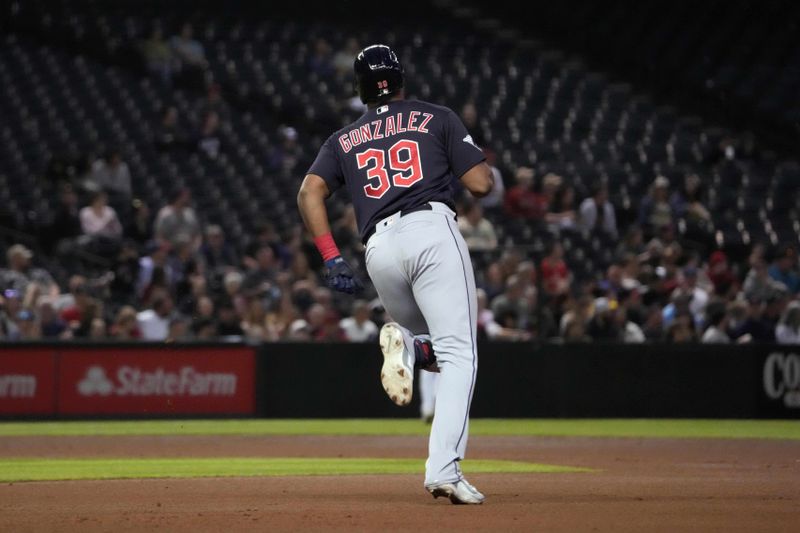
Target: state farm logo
column 17, row 386
column 95, row 382
column 782, row 378
column 133, row 381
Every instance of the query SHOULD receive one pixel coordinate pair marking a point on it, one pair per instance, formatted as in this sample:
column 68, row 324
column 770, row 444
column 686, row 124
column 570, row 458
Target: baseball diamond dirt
column 636, row 484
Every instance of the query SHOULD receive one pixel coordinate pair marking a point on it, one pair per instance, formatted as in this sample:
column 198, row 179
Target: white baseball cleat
column 397, row 374
column 460, row 492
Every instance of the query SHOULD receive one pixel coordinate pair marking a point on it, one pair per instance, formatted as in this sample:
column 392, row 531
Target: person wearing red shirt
column 554, row 272
column 522, row 201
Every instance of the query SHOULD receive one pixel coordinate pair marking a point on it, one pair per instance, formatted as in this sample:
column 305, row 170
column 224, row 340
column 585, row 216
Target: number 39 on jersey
column 404, row 166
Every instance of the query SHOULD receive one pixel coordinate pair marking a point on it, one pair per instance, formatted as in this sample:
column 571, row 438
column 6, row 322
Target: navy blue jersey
column 397, row 156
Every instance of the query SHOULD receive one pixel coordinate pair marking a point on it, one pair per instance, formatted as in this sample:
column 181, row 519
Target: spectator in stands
column 680, row 331
column 522, row 201
column 632, row 243
column 177, row 221
column 125, row 326
column 629, row 317
column 477, row 231
column 759, row 285
column 253, row 320
column 655, row 210
column 170, row 135
column 154, row 322
column 19, row 276
column 204, row 329
column 232, row 286
column 100, row 222
column 612, row 284
column 580, row 309
column 493, row 280
column 359, row 327
column 679, row 305
column 717, row 320
column 321, row 62
column 53, row 327
column 488, row 327
column 79, row 307
column 28, row 325
column 721, row 275
column 604, row 324
column 261, row 279
column 188, row 50
column 597, row 213
column 155, row 271
column 267, row 235
column 343, row 59
column 784, row 269
column 556, row 277
column 300, row 269
column 178, row 329
column 575, row 331
column 753, row 326
column 219, row 256
column 98, row 329
column 158, row 57
column 699, row 294
column 112, row 175
column 512, row 301
column 285, row 156
column 140, row 226
column 228, row 322
column 687, row 203
column 208, row 139
column 66, row 224
column 788, row 329
column 561, row 212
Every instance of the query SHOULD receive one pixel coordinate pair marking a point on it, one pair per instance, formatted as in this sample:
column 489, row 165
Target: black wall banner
column 526, row 380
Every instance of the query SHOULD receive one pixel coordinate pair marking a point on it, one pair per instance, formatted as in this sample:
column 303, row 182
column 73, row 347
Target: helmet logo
column 383, row 84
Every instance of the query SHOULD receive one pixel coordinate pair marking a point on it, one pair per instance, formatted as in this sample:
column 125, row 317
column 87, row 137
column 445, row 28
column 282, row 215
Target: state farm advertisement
column 27, row 382
column 142, row 381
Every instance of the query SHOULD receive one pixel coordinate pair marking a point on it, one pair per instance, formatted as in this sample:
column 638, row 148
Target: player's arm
column 311, row 203
column 478, row 180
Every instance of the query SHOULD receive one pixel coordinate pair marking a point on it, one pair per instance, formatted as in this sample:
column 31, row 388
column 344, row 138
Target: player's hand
column 340, row 276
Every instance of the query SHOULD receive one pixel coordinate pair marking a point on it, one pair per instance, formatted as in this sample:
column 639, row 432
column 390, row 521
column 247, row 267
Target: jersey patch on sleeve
column 468, row 140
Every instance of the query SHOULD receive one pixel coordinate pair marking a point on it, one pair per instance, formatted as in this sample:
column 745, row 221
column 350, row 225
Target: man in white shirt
column 359, row 328
column 154, row 322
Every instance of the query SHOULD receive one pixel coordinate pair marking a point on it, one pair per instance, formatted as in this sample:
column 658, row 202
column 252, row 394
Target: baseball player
column 398, row 162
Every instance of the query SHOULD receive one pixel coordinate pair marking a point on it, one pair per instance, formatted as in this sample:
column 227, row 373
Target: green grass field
column 25, row 469
column 15, row 469
column 635, row 428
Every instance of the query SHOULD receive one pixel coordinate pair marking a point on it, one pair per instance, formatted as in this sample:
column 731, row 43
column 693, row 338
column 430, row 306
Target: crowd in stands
column 173, row 276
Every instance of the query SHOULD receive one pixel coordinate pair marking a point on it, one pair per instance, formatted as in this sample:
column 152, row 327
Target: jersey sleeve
column 462, row 151
column 327, row 166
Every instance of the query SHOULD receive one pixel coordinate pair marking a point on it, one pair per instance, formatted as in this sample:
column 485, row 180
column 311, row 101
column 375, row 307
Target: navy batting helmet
column 379, row 73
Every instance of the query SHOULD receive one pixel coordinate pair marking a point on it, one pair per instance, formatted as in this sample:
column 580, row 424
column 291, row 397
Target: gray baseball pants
column 421, row 268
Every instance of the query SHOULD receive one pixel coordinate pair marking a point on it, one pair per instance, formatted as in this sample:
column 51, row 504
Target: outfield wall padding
column 305, row 380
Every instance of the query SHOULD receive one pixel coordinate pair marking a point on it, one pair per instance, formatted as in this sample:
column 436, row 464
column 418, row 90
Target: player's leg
column 397, row 341
column 427, row 394
column 444, row 289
